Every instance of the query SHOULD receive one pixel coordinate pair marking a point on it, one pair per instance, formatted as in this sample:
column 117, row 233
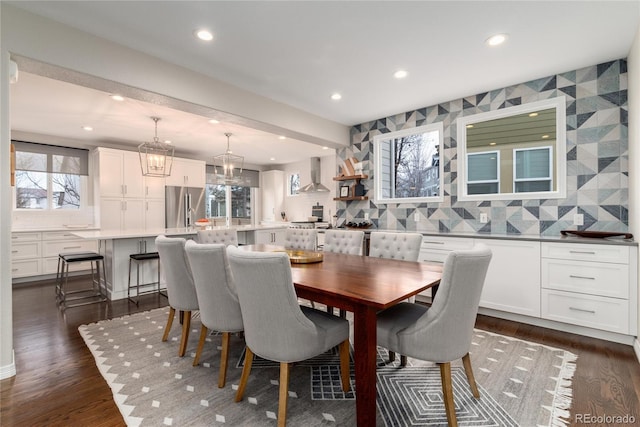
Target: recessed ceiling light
column 203, row 34
column 336, row 96
column 117, row 97
column 214, row 121
column 272, row 159
column 87, row 128
column 533, row 114
column 325, row 148
column 496, row 40
column 282, row 137
column 545, row 136
column 469, row 126
column 492, row 143
column 167, row 141
column 400, row 74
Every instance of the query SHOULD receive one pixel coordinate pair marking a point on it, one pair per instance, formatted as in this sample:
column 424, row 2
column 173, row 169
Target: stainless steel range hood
column 315, row 186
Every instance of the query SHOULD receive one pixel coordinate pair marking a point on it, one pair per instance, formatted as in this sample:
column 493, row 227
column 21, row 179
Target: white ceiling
column 299, row 53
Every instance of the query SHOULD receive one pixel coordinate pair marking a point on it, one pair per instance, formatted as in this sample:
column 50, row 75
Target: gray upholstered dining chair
column 217, row 299
column 276, row 327
column 227, row 236
column 301, row 238
column 344, row 241
column 181, row 290
column 441, row 333
column 403, row 246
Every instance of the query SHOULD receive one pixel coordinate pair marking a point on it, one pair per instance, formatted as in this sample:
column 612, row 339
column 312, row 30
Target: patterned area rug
column 521, row 383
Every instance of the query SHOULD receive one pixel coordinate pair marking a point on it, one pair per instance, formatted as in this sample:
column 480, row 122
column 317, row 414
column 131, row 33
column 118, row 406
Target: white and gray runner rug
column 521, row 383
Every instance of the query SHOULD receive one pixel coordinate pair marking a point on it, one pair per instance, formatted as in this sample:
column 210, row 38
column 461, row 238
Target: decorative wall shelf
column 347, row 178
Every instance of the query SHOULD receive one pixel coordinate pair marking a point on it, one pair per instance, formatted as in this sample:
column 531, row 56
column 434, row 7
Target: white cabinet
column 119, row 174
column 272, row 190
column 513, row 278
column 589, row 285
column 270, row 237
column 436, row 249
column 36, row 253
column 126, row 199
column 187, row 173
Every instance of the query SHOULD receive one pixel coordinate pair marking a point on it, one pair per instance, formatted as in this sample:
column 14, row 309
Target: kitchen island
column 116, row 246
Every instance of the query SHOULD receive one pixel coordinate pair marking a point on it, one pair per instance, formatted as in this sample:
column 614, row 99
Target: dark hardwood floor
column 58, row 383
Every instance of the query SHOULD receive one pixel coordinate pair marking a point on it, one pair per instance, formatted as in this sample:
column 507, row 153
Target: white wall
column 298, row 208
column 633, row 67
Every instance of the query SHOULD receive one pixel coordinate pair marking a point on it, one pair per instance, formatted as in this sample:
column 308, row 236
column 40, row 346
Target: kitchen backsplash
column 597, row 160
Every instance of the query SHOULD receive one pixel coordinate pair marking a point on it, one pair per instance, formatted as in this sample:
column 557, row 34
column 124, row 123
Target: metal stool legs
column 139, row 258
column 91, row 295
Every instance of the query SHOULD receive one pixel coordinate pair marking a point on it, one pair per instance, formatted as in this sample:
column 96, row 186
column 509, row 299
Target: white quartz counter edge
column 133, row 234
column 471, row 235
column 56, row 228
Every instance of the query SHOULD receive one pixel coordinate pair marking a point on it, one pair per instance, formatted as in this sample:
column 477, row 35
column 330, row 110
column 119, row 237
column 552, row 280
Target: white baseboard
column 9, row 371
column 636, row 348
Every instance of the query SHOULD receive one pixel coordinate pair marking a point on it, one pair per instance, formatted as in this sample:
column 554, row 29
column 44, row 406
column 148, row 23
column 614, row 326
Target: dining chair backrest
column 217, row 299
column 274, row 324
column 228, row 236
column 301, row 238
column 402, row 246
column 450, row 320
column 176, row 272
column 344, row 241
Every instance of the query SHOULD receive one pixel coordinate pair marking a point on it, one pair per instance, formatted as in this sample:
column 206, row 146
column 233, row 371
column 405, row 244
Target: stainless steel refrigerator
column 183, row 206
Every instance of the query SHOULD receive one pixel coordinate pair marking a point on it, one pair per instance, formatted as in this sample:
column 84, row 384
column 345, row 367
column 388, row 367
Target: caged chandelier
column 228, row 166
column 156, row 158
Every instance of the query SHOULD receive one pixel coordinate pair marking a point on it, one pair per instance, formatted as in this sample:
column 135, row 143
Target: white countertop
column 133, row 234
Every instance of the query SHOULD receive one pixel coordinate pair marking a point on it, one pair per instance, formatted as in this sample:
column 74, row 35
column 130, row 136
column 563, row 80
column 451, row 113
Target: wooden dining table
column 362, row 285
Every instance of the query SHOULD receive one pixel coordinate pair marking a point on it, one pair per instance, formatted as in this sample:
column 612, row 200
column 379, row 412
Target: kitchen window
column 232, row 201
column 49, row 177
column 293, row 184
column 483, row 175
column 532, row 169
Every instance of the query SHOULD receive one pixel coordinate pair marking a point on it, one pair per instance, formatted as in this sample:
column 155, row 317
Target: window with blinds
column 532, row 169
column 483, row 173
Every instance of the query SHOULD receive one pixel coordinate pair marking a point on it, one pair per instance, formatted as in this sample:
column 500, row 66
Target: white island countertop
column 133, row 234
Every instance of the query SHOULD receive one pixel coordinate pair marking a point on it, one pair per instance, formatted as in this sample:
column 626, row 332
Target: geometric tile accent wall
column 597, row 160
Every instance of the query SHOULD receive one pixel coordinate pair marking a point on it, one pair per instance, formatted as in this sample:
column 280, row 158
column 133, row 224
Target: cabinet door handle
column 582, row 252
column 146, row 190
column 72, row 247
column 434, row 243
column 14, row 252
column 582, row 310
column 125, row 189
column 122, row 189
column 14, row 269
column 581, row 277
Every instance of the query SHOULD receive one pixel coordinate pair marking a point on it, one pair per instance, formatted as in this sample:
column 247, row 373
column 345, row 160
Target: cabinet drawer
column 58, row 235
column 609, row 314
column 26, row 237
column 25, row 268
column 446, row 243
column 594, row 278
column 50, row 265
column 54, row 248
column 585, row 252
column 25, row 250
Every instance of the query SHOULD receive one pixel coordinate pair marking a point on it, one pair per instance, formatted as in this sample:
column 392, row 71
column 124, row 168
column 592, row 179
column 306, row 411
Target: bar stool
column 140, row 258
column 96, row 292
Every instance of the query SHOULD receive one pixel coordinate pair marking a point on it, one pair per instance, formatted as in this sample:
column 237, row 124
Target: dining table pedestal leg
column 365, row 349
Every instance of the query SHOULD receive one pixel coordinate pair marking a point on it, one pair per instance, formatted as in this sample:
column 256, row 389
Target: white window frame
column 289, row 193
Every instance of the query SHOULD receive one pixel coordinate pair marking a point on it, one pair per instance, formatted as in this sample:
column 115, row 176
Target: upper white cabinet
column 154, row 187
column 272, row 194
column 119, row 174
column 187, row 173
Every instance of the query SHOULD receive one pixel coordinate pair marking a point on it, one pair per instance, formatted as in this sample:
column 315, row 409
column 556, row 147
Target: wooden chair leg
column 466, row 361
column 344, row 366
column 447, row 394
column 392, row 356
column 203, row 338
column 167, row 328
column 186, row 325
column 246, row 370
column 403, row 360
column 224, row 360
column 284, row 394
